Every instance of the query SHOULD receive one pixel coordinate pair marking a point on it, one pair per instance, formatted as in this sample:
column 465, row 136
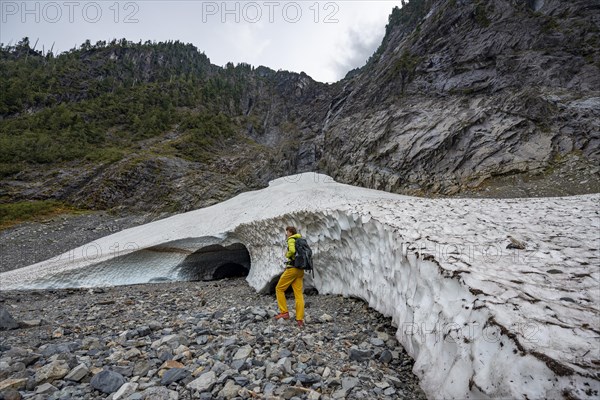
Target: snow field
column 480, row 320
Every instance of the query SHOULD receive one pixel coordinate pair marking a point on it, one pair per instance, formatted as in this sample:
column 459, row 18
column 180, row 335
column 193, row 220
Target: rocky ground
column 32, row 242
column 202, row 340
column 571, row 177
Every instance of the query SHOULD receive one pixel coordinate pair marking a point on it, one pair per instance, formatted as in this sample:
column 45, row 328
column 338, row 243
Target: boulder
column 7, row 322
column 107, row 381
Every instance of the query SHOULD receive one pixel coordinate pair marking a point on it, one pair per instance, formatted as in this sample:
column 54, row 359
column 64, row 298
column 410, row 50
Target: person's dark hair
column 291, row 229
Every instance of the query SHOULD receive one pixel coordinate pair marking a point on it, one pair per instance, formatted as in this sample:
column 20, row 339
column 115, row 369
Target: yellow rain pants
column 294, row 277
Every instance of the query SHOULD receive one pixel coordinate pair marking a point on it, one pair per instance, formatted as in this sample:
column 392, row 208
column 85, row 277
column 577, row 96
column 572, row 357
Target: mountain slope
column 463, row 97
column 147, row 126
column 462, row 91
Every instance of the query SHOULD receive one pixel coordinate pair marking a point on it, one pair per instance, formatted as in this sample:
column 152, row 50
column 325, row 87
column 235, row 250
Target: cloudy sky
column 325, row 39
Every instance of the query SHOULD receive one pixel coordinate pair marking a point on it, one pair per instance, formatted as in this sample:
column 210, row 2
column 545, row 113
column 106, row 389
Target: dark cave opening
column 216, row 262
column 230, row 270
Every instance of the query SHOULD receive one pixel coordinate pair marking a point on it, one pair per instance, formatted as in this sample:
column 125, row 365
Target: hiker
column 291, row 276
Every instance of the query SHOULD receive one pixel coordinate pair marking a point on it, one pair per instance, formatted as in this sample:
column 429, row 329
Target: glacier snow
column 481, row 320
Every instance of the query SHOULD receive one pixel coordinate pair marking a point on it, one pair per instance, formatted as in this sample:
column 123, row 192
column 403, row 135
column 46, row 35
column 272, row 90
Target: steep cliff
column 462, row 92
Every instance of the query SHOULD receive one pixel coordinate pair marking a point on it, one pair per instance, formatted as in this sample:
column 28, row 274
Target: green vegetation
column 409, row 15
column 100, row 102
column 406, row 18
column 12, row 214
column 203, row 132
column 405, row 66
column 481, row 15
column 551, row 25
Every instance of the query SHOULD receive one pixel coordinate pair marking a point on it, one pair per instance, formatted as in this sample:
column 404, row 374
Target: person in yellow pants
column 291, row 276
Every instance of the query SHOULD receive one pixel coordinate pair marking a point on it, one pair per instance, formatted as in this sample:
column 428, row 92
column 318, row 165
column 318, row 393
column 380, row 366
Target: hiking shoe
column 284, row 315
column 300, row 323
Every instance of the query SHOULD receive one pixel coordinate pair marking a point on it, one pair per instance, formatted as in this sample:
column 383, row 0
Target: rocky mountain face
column 463, row 97
column 473, row 91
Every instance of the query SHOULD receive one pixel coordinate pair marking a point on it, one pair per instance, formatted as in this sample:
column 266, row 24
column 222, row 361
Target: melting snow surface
column 481, row 320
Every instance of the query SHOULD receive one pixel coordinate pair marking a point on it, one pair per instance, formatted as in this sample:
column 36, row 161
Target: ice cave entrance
column 215, row 262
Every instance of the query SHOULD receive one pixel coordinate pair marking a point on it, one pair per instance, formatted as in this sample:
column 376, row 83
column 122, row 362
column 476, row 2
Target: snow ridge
column 480, row 320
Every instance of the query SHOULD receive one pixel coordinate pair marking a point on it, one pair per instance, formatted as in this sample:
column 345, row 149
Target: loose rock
column 107, row 381
column 7, row 322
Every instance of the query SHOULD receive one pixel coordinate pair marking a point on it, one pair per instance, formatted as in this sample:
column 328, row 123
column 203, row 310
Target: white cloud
column 280, row 37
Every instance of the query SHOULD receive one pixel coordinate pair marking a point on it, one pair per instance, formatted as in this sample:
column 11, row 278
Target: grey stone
column 204, row 382
column 46, row 388
column 269, row 389
column 58, row 348
column 238, row 364
column 286, row 364
column 292, row 391
column 242, row 353
column 30, row 323
column 17, row 367
column 159, row 393
column 219, row 367
column 144, row 330
column 308, row 379
column 202, row 340
column 7, row 322
column 386, row 356
column 285, row 353
column 165, row 355
column 272, row 369
column 69, row 358
column 230, row 390
column 394, row 381
column 77, row 373
column 349, row 383
column 326, row 318
column 141, row 368
column 154, row 325
column 13, row 383
column 174, row 375
column 241, row 380
column 11, row 394
column 360, row 355
column 55, row 370
column 125, row 391
column 107, row 381
column 125, row 370
column 172, row 341
column 259, row 312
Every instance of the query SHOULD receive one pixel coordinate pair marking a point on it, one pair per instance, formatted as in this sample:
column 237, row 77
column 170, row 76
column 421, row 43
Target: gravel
column 32, row 242
column 189, row 340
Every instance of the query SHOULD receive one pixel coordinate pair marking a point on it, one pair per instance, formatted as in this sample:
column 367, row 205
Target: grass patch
column 550, row 26
column 8, row 169
column 109, row 155
column 481, row 15
column 16, row 213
